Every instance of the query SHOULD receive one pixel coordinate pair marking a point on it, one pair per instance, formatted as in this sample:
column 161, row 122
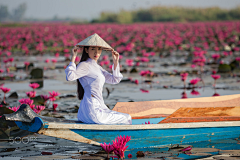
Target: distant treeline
column 16, row 14
column 172, row 14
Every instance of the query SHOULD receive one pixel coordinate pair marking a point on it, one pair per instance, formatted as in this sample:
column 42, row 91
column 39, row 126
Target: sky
column 89, row 9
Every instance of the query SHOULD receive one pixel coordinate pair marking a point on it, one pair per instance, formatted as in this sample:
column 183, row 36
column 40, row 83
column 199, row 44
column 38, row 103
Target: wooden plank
column 207, row 114
column 167, row 107
column 141, row 127
column 66, row 134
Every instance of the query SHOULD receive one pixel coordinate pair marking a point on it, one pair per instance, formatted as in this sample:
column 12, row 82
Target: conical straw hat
column 96, row 41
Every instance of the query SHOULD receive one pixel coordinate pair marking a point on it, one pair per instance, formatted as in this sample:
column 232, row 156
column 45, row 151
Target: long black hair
column 80, row 90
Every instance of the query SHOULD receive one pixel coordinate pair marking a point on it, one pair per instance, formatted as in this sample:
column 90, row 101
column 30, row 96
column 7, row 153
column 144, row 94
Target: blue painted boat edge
column 33, row 126
column 159, row 138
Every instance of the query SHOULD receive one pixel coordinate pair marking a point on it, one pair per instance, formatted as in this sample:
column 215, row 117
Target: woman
column 90, row 79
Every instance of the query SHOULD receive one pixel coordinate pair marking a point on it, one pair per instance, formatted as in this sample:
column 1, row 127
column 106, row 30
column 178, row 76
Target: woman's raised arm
column 72, row 72
column 112, row 78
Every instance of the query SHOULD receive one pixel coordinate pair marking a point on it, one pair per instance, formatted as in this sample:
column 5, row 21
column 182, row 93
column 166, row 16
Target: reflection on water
column 195, row 92
column 199, row 150
column 216, row 94
column 184, row 95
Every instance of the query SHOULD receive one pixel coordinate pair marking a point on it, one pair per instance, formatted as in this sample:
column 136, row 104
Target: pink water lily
column 110, row 67
column 5, row 61
column 26, row 63
column 236, row 49
column 216, row 56
column 120, row 56
column 144, row 73
column 14, row 108
column 195, row 81
column 77, row 59
column 129, row 47
column 45, row 98
column 160, row 37
column 129, row 155
column 136, row 81
column 184, row 77
column 8, row 53
column 144, row 59
column 129, row 62
column 214, row 72
column 34, row 85
column 54, row 60
column 189, row 148
column 38, row 109
column 193, row 66
column 5, row 90
column 144, row 90
column 66, row 50
column 107, row 147
column 47, row 60
column 67, row 55
column 147, row 122
column 53, row 95
column 41, row 108
column 26, row 101
column 57, row 55
column 31, row 94
column 105, row 57
column 1, row 70
column 238, row 59
column 119, row 154
column 55, row 106
column 107, row 62
column 215, row 77
column 32, row 107
column 119, row 145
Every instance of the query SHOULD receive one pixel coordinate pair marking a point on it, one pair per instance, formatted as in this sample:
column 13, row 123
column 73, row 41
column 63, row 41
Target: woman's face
column 94, row 52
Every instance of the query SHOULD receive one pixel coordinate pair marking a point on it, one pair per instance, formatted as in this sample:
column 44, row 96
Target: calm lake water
column 164, row 87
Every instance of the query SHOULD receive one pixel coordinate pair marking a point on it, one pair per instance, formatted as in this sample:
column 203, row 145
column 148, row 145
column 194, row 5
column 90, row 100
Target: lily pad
column 224, row 68
column 13, row 95
column 36, row 73
column 38, row 100
column 133, row 70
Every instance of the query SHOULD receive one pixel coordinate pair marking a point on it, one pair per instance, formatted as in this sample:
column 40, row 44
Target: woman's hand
column 74, row 53
column 115, row 56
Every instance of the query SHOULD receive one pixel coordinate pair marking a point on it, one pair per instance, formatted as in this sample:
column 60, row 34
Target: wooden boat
column 172, row 122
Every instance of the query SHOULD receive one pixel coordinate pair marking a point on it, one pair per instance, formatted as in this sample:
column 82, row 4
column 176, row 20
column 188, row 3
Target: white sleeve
column 72, row 72
column 112, row 78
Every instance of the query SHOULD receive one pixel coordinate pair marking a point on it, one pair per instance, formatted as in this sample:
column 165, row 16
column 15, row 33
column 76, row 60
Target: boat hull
column 148, row 135
column 197, row 120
